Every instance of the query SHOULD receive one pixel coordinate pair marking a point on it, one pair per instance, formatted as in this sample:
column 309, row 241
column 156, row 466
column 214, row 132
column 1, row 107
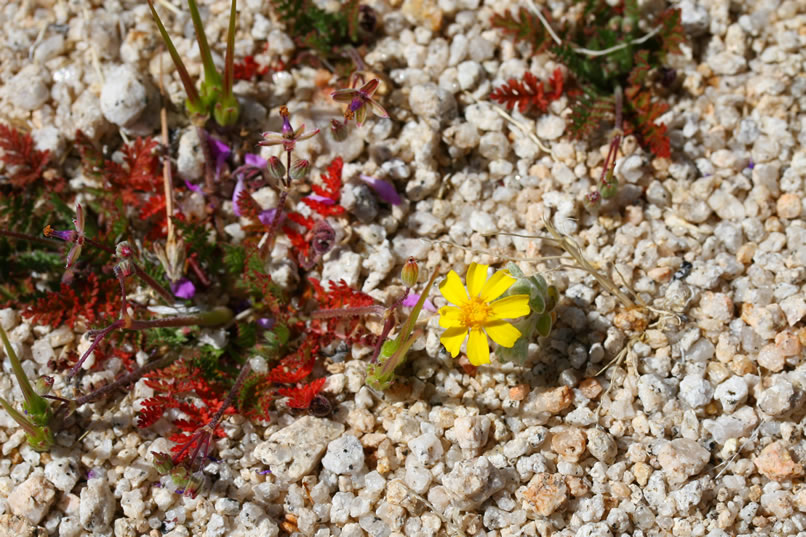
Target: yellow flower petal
column 476, row 276
column 453, row 338
column 510, row 307
column 503, row 333
column 478, row 349
column 496, row 285
column 450, row 316
column 453, row 290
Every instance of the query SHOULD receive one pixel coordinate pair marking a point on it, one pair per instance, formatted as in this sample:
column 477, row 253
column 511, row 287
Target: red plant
column 25, row 162
column 302, row 396
column 645, row 111
column 331, row 191
column 248, row 68
column 529, row 93
column 340, row 296
column 83, row 299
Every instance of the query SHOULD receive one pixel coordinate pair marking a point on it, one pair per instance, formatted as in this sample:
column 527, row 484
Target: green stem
column 194, row 103
column 211, row 76
column 35, row 405
column 29, row 428
column 415, row 312
column 229, row 65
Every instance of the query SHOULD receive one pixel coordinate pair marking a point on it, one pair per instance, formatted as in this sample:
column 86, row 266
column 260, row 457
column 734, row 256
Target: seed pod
column 410, row 273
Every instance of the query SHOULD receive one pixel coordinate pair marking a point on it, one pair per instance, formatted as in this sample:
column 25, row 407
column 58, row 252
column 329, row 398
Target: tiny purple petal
column 264, row 472
column 254, row 160
column 266, row 323
column 67, row 236
column 751, row 164
column 220, row 152
column 183, row 288
column 239, row 187
column 411, row 300
column 385, row 190
column 321, row 199
column 191, row 186
column 267, row 217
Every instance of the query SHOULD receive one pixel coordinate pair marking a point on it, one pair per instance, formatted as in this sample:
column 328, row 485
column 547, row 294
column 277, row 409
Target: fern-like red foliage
column 338, row 296
column 530, row 92
column 18, row 153
column 84, row 299
column 302, row 396
column 331, row 190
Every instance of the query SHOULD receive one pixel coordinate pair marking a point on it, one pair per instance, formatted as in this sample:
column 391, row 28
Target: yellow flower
column 479, row 312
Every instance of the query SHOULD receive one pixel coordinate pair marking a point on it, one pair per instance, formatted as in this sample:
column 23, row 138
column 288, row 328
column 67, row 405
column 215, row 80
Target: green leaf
column 544, row 324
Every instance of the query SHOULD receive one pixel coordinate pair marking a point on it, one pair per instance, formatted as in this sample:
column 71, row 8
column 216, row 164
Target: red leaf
column 19, row 153
column 301, row 396
column 531, row 92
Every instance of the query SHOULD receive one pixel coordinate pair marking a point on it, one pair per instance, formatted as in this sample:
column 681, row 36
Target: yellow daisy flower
column 479, row 312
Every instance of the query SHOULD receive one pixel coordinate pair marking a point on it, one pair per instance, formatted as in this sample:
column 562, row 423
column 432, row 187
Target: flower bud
column 410, row 273
column 338, row 130
column 323, row 237
column 163, row 463
column 124, row 250
column 43, row 384
column 299, row 169
column 276, row 168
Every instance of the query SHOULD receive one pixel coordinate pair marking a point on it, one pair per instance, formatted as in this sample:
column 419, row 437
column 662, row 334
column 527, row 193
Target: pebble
column 740, row 424
column 97, row 507
column 546, row 493
column 601, row 445
column 472, row 481
column 775, row 463
column 789, row 206
column 190, row 155
column 682, row 458
column 429, row 101
column 360, row 201
column 553, row 400
column 695, row 391
column 28, row 89
column 471, row 432
column 469, row 74
column 550, row 127
column 342, row 264
column 345, row 455
column 778, row 399
column 294, row 451
column 63, row 473
column 128, row 100
column 569, row 443
column 32, row 498
column 427, row 448
column 9, row 319
column 731, row 393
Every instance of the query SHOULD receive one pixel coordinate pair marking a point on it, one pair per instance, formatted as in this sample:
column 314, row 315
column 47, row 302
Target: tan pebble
column 660, row 274
column 633, row 319
column 620, row 490
column 590, row 388
column 519, row 392
column 745, row 253
column 802, row 337
column 788, row 343
column 641, row 471
column 789, row 205
column 761, row 521
column 754, row 493
column 554, row 400
column 576, row 486
column 776, row 463
column 773, row 224
column 682, row 458
column 569, row 443
column 634, row 214
column 800, row 500
column 742, row 365
column 546, row 493
column 771, row 357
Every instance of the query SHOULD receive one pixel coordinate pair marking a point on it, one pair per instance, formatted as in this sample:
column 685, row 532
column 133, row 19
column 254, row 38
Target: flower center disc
column 474, row 314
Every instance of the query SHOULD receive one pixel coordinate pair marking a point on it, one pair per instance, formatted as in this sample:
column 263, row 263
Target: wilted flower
column 385, row 190
column 75, row 236
column 288, row 137
column 360, row 99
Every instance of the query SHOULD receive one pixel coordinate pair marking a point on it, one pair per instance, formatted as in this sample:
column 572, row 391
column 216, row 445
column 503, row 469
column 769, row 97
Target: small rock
column 359, row 200
column 550, row 127
column 190, row 155
column 682, row 458
column 788, row 344
column 694, row 17
column 469, row 74
column 601, row 445
column 17, row 526
column 128, row 100
column 342, row 264
column 771, row 357
column 590, row 388
column 594, row 529
column 789, row 206
column 345, row 455
column 28, row 89
column 63, row 473
column 778, row 399
column 695, row 391
column 9, row 319
column 97, row 507
column 471, row 432
column 42, row 351
column 429, row 101
column 776, row 463
column 569, row 443
column 49, row 48
column 726, row 63
column 731, row 393
column 545, row 493
column 553, row 400
column 32, row 498
column 294, row 451
column 426, row 448
column 740, row 424
column 472, row 481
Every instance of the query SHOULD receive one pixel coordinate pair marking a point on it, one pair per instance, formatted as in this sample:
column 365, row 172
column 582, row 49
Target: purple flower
column 751, row 164
column 324, row 200
column 267, row 217
column 385, row 190
column 411, row 300
column 220, row 152
column 359, row 101
column 75, row 236
column 191, row 186
column 183, row 288
column 251, row 159
column 288, row 137
column 266, row 323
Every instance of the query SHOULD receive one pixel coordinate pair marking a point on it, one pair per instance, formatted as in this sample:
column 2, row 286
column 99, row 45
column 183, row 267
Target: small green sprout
column 36, row 420
column 215, row 94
